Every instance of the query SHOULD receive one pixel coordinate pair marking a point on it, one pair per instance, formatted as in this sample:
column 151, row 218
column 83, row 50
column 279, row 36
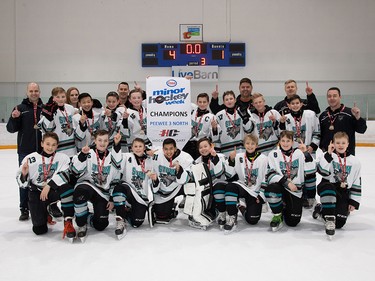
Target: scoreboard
column 193, row 54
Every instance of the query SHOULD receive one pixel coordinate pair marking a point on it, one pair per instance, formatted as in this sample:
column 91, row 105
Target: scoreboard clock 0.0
column 193, row 54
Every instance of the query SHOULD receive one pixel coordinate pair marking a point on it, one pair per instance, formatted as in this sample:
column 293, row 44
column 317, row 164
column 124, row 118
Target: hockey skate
column 50, row 220
column 317, row 213
column 231, row 224
column 120, row 228
column 196, row 224
column 24, row 214
column 308, row 203
column 82, row 233
column 221, row 219
column 54, row 210
column 69, row 230
column 330, row 225
column 276, row 222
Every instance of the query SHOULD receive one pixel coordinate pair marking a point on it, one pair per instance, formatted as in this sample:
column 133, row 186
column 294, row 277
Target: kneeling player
column 340, row 188
column 131, row 196
column 98, row 171
column 46, row 176
column 285, row 179
column 251, row 168
column 173, row 171
column 208, row 174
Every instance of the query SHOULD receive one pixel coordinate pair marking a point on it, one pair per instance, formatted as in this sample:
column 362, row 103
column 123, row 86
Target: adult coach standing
column 339, row 118
column 290, row 87
column 24, row 120
column 243, row 101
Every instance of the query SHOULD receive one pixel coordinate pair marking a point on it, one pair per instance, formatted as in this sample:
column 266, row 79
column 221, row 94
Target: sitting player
column 46, row 176
column 340, row 189
column 285, row 179
column 251, row 169
column 98, row 171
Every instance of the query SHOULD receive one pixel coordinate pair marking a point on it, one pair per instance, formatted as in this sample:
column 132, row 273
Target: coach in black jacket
column 23, row 120
column 339, row 118
column 291, row 89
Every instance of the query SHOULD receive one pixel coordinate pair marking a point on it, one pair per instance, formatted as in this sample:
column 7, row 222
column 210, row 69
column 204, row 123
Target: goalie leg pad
column 189, row 189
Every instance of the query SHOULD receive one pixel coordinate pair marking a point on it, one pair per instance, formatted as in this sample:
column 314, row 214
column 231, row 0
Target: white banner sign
column 168, row 110
column 208, row 73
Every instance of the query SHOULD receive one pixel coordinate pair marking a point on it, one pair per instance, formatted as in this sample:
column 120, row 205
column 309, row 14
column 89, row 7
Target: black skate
column 24, row 214
column 222, row 219
column 276, row 222
column 54, row 211
column 69, row 230
column 317, row 213
column 120, row 228
column 231, row 224
column 330, row 225
column 82, row 233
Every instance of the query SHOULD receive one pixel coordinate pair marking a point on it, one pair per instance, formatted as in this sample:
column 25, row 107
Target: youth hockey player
column 266, row 122
column 131, row 197
column 251, row 168
column 340, row 189
column 46, row 177
column 98, row 171
column 230, row 125
column 305, row 125
column 87, row 122
column 201, row 119
column 112, row 116
column 209, row 181
column 173, row 170
column 57, row 116
column 134, row 124
column 284, row 181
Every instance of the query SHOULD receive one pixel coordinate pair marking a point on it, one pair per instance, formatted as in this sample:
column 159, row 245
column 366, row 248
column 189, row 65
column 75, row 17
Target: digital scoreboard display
column 193, row 54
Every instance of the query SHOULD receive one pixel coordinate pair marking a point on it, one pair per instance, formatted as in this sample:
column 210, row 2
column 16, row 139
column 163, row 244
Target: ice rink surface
column 178, row 252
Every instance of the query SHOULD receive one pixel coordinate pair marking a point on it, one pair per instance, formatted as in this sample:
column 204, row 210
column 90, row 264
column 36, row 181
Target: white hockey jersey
column 201, row 125
column 216, row 165
column 135, row 174
column 329, row 167
column 307, row 128
column 230, row 131
column 295, row 164
column 170, row 182
column 137, row 128
column 85, row 133
column 87, row 169
column 266, row 130
column 251, row 175
column 55, row 168
column 112, row 123
column 62, row 124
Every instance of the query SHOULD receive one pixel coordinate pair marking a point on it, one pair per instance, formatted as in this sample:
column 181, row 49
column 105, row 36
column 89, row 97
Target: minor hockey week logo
column 169, row 96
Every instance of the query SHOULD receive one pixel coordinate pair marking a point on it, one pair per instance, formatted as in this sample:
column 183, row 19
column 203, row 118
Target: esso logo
column 171, row 83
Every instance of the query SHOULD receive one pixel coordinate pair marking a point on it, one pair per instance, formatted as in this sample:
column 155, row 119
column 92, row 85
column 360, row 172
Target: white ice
column 178, row 252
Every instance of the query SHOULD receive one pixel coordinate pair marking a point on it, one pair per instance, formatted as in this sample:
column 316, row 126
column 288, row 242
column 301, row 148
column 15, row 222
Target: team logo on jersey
column 253, row 177
column 100, row 178
column 338, row 175
column 267, row 130
column 52, row 170
column 167, row 175
column 292, row 167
